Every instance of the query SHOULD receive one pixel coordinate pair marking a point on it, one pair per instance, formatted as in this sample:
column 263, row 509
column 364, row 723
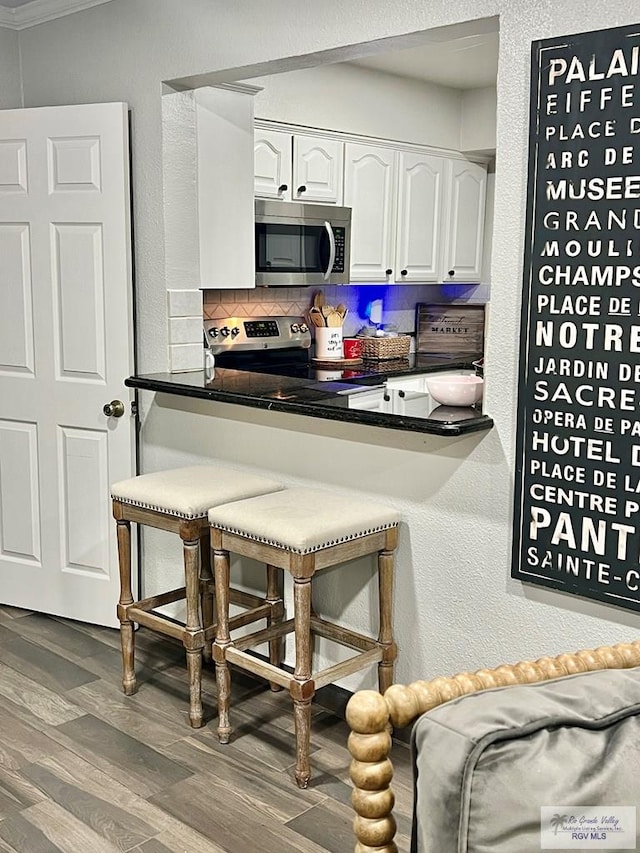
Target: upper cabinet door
column 272, row 164
column 369, row 189
column 419, row 243
column 317, row 169
column 463, row 260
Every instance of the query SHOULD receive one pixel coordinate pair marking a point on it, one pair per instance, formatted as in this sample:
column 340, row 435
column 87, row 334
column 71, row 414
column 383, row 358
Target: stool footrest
column 157, row 623
column 242, row 619
column 260, row 637
column 236, row 596
column 344, row 636
column 346, row 667
column 272, row 673
column 245, row 599
column 258, row 666
column 160, row 600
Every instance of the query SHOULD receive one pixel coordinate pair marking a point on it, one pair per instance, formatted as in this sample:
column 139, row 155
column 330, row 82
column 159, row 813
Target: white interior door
column 66, row 345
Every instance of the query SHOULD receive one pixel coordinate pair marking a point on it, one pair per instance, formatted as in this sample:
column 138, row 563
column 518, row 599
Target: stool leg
column 126, row 599
column 303, row 688
column 193, row 638
column 223, row 640
column 274, row 598
column 385, row 635
column 206, row 594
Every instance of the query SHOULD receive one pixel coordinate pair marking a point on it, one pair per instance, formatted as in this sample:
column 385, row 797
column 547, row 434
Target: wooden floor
column 85, row 769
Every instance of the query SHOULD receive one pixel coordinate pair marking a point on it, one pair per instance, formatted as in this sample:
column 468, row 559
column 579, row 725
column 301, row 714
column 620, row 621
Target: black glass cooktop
column 293, row 363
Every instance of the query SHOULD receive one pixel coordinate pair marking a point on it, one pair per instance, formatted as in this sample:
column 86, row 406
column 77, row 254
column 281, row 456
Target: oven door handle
column 332, row 251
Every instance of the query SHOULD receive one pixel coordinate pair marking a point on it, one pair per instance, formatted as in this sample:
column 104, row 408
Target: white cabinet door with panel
column 420, row 231
column 272, row 164
column 369, row 189
column 467, row 195
column 293, row 167
column 317, row 170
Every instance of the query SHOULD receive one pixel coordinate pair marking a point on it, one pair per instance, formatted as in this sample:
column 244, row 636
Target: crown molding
column 39, row 11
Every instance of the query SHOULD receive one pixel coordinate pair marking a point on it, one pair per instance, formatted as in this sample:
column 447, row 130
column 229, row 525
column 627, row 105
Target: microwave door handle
column 332, row 251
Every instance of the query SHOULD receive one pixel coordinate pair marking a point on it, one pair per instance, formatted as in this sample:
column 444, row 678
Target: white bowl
column 455, row 390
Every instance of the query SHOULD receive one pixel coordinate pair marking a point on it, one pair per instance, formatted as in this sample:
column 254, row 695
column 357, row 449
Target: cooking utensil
column 334, row 319
column 318, row 299
column 315, row 315
column 326, row 311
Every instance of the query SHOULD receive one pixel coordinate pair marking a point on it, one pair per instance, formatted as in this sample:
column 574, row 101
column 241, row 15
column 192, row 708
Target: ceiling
column 467, row 62
column 463, row 56
column 21, row 14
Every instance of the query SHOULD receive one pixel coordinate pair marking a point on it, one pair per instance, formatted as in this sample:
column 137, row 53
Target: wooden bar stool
column 301, row 531
column 178, row 501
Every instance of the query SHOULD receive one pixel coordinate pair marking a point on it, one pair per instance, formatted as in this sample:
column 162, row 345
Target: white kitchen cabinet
column 417, row 216
column 369, row 189
column 374, row 400
column 399, row 203
column 294, row 167
column 464, row 244
column 416, row 383
column 420, row 227
column 272, row 164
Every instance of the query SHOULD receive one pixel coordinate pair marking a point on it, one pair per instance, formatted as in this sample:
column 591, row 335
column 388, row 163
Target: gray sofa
column 511, row 760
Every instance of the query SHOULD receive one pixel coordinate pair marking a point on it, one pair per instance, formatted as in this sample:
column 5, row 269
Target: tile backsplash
column 398, row 301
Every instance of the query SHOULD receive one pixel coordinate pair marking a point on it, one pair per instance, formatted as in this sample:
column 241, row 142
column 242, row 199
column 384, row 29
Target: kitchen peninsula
column 346, row 400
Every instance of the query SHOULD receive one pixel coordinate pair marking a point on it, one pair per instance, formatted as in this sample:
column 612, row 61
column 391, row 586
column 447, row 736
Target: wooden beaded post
column 370, row 717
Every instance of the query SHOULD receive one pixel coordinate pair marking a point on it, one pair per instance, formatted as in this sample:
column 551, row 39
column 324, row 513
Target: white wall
column 359, row 100
column 10, row 89
column 478, row 120
column 456, row 607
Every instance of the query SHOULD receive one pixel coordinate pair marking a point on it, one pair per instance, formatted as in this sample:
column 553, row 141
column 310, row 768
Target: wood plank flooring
column 85, row 768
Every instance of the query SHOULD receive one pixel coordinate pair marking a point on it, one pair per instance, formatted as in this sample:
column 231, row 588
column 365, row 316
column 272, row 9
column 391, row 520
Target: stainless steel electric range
column 279, row 345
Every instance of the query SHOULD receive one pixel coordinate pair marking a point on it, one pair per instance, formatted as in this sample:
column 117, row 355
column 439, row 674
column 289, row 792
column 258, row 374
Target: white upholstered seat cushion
column 190, row 492
column 303, row 520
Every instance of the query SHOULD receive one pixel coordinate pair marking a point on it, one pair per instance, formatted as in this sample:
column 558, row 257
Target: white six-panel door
column 66, row 345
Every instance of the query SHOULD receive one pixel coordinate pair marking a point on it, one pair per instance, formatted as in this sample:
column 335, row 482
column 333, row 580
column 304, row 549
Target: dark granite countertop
column 332, row 394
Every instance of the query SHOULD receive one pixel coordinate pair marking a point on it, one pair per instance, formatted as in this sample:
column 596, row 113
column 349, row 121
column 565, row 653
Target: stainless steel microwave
column 301, row 244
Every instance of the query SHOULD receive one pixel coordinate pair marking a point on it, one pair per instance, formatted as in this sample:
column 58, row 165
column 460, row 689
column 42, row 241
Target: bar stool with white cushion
column 178, row 500
column 302, row 531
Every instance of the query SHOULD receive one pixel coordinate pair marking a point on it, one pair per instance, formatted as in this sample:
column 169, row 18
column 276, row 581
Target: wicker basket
column 379, row 349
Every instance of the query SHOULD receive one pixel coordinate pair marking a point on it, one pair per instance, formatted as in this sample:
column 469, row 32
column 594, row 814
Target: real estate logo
column 588, row 828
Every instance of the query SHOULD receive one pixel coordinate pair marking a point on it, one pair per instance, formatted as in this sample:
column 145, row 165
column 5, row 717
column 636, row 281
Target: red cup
column 352, row 347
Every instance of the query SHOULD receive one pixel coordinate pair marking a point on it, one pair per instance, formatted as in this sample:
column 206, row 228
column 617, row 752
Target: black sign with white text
column 577, row 490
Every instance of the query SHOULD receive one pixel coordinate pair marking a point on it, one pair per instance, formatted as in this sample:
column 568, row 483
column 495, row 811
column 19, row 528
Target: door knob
column 114, row 409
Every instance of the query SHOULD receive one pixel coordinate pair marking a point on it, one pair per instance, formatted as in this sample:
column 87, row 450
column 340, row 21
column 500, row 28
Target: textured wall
column 358, row 100
column 456, row 607
column 10, row 91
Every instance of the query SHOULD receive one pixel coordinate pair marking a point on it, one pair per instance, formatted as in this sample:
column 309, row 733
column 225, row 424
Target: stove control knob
column 213, row 332
column 235, row 332
column 225, row 331
column 295, row 328
column 304, row 327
